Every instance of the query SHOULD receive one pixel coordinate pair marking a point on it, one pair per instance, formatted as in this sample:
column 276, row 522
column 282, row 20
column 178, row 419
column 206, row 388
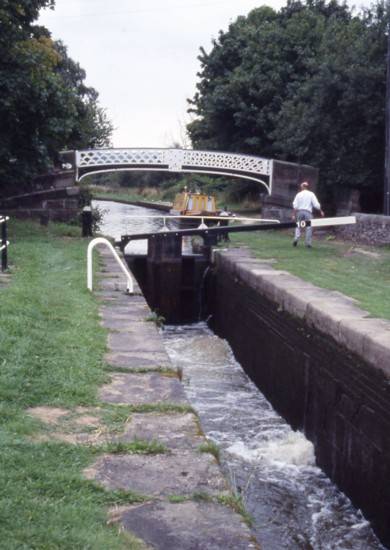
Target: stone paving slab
column 165, row 474
column 111, row 283
column 134, row 341
column 129, row 324
column 126, row 311
column 114, row 274
column 109, row 296
column 186, row 526
column 141, row 389
column 138, row 360
column 175, row 431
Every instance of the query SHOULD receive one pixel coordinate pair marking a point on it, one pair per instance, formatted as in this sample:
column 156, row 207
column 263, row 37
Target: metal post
column 386, row 194
column 86, row 221
column 4, row 252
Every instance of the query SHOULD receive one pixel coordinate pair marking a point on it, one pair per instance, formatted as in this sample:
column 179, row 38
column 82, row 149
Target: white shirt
column 306, row 200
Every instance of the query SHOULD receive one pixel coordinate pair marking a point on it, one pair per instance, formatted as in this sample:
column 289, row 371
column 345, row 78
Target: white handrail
column 6, row 245
column 91, row 246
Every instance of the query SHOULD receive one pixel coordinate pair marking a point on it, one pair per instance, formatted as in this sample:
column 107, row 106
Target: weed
column 116, row 417
column 210, row 447
column 137, row 446
column 236, row 503
column 177, row 499
column 155, row 318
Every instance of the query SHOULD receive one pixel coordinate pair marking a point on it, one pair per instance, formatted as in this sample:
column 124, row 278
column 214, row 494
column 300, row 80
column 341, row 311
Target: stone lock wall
column 322, row 362
column 369, row 229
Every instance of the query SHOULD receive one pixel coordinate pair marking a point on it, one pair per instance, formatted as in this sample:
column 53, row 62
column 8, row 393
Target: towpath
column 187, row 503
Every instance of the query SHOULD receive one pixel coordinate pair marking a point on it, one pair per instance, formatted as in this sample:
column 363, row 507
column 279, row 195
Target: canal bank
column 323, row 363
column 188, row 502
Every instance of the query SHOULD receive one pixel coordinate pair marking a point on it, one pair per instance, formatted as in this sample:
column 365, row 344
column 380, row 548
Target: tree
column 305, row 84
column 91, row 127
column 44, row 103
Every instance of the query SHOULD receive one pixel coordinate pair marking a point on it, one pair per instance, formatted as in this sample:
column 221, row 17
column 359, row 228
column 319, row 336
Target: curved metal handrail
column 91, row 246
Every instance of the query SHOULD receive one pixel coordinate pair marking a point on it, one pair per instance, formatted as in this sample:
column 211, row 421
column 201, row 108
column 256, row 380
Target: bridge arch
column 94, row 161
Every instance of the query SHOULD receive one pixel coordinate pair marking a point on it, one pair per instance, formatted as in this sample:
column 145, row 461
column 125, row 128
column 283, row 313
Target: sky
column 141, row 56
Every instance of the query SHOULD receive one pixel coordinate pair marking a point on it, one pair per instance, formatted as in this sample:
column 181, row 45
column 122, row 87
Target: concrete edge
column 330, row 312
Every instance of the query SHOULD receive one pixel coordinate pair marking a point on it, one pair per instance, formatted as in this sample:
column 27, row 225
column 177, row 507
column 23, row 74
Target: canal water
column 293, row 504
column 121, row 219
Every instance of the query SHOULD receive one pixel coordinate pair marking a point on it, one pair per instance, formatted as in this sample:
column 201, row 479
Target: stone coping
column 328, row 311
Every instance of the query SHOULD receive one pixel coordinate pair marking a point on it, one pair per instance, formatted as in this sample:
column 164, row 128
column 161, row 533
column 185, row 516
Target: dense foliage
column 45, row 105
column 304, row 84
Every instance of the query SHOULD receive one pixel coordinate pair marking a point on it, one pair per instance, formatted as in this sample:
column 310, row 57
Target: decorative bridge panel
column 119, row 157
column 175, row 160
column 228, row 161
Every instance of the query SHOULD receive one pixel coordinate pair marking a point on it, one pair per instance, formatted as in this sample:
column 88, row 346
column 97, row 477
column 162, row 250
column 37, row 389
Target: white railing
column 91, row 246
column 4, row 243
column 175, row 160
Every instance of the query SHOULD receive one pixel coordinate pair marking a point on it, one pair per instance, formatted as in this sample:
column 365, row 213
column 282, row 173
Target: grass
column 45, row 502
column 230, row 500
column 52, row 349
column 155, row 318
column 235, row 502
column 116, row 417
column 330, row 264
column 211, row 448
column 138, row 446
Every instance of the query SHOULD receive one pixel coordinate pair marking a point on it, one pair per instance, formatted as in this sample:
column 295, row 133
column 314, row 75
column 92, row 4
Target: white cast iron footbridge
column 94, row 161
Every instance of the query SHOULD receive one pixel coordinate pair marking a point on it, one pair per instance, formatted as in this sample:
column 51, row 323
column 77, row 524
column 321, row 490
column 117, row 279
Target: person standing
column 304, row 203
column 224, row 214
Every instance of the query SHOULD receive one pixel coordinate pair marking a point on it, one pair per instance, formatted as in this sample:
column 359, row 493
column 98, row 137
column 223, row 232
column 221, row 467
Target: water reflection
column 121, row 219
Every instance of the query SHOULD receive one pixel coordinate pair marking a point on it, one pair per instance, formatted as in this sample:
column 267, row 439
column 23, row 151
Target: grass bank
column 126, row 194
column 357, row 271
column 52, row 350
column 154, row 194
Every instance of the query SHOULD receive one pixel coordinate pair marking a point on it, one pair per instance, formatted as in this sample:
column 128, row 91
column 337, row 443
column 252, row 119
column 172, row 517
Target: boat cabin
column 194, row 204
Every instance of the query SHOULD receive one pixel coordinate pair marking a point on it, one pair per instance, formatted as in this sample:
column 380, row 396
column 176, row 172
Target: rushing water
column 293, row 504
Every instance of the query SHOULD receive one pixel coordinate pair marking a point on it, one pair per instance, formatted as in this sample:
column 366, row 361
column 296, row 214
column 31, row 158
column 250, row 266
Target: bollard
column 86, row 221
column 44, row 218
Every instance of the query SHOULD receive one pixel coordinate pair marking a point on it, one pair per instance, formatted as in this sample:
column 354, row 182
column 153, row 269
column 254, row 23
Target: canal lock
column 183, row 289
